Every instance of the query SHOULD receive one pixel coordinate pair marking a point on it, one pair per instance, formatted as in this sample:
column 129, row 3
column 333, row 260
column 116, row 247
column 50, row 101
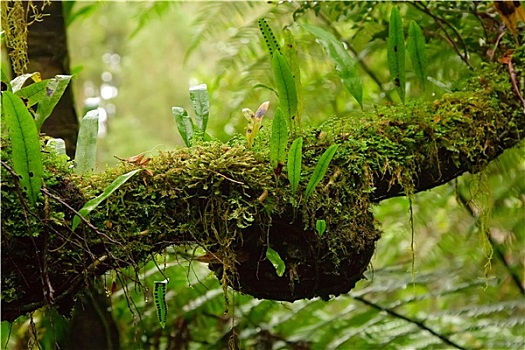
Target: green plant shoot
column 86, row 151
column 320, row 169
column 92, row 204
column 396, row 52
column 33, row 93
column 276, row 261
column 320, row 227
column 58, row 145
column 345, row 65
column 278, row 142
column 159, row 297
column 55, row 88
column 184, row 124
column 271, row 42
column 285, row 87
column 295, row 158
column 284, row 78
column 417, row 53
column 290, row 53
column 254, row 122
column 200, row 101
column 264, row 86
column 27, row 159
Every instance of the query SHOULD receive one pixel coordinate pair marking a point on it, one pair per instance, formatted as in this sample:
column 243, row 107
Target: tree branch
column 209, row 195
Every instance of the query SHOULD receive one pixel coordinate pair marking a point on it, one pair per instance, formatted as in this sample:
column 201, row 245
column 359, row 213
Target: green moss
column 210, row 195
column 21, row 221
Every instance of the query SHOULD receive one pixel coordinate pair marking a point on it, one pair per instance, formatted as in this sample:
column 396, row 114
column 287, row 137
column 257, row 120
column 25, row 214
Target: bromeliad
column 254, row 122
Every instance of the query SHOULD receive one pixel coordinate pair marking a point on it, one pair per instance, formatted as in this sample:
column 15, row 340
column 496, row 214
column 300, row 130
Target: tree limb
column 208, row 195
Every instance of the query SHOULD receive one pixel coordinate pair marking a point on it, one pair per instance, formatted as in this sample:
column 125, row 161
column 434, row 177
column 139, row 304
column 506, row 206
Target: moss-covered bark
column 227, row 199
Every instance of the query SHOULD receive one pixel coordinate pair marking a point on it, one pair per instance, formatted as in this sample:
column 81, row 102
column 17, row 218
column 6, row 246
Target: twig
column 34, row 334
column 440, row 21
column 40, row 268
column 514, row 80
column 227, row 178
column 158, row 267
column 419, row 324
column 501, row 32
column 475, row 13
column 49, row 293
column 90, row 225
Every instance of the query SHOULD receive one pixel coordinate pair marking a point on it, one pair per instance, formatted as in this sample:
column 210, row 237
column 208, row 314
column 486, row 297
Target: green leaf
column 285, row 87
column 260, row 85
column 416, row 51
column 295, row 159
column 276, row 261
column 54, row 90
column 70, row 16
column 320, row 169
column 184, row 124
column 86, row 152
column 278, row 141
column 396, row 52
column 290, row 53
column 27, row 159
column 200, row 101
column 320, row 227
column 58, row 145
column 148, row 14
column 159, row 296
column 345, row 65
column 34, row 93
column 93, row 203
column 271, row 43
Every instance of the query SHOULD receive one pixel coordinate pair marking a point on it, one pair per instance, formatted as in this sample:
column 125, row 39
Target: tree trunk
column 48, row 54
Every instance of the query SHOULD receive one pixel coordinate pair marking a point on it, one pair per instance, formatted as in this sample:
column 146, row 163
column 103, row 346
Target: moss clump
column 210, row 194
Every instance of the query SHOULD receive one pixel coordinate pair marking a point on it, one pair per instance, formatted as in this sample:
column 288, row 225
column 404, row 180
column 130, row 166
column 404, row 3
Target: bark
column 227, row 199
column 47, row 51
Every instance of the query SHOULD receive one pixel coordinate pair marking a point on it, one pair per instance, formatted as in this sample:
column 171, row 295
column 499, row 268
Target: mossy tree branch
column 212, row 195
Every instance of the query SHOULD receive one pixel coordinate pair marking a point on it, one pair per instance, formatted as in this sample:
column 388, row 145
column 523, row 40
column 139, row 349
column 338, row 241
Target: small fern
column 272, row 44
